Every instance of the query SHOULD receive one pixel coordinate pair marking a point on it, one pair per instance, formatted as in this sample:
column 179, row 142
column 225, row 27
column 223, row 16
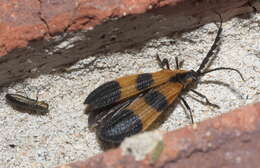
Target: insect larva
column 22, row 103
column 130, row 104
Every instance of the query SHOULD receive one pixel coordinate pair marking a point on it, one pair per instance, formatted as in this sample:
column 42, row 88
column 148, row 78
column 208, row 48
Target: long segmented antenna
column 210, row 53
column 224, row 68
column 213, row 47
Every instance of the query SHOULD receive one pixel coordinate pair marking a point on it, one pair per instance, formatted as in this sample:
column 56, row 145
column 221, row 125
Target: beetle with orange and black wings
column 130, row 104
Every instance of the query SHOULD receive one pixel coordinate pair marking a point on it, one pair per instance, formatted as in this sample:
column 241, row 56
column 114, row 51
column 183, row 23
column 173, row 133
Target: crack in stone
column 250, row 3
column 43, row 20
column 71, row 22
column 87, row 19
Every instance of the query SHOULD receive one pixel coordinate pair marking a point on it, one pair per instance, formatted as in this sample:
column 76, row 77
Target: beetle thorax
column 185, row 78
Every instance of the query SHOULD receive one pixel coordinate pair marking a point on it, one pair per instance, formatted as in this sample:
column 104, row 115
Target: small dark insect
column 12, row 145
column 130, row 104
column 22, row 103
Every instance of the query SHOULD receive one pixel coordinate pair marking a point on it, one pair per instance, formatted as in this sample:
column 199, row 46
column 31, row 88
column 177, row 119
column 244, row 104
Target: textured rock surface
column 44, row 36
column 231, row 140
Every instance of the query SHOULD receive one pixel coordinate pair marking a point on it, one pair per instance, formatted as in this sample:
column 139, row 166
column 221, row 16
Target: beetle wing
column 140, row 114
column 125, row 87
column 98, row 116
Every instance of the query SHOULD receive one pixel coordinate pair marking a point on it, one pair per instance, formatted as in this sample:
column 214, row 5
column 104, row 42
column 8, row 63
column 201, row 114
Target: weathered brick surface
column 230, row 140
column 39, row 36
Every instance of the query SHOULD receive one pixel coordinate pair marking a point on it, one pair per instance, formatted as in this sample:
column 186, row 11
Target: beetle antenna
column 224, row 68
column 213, row 47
